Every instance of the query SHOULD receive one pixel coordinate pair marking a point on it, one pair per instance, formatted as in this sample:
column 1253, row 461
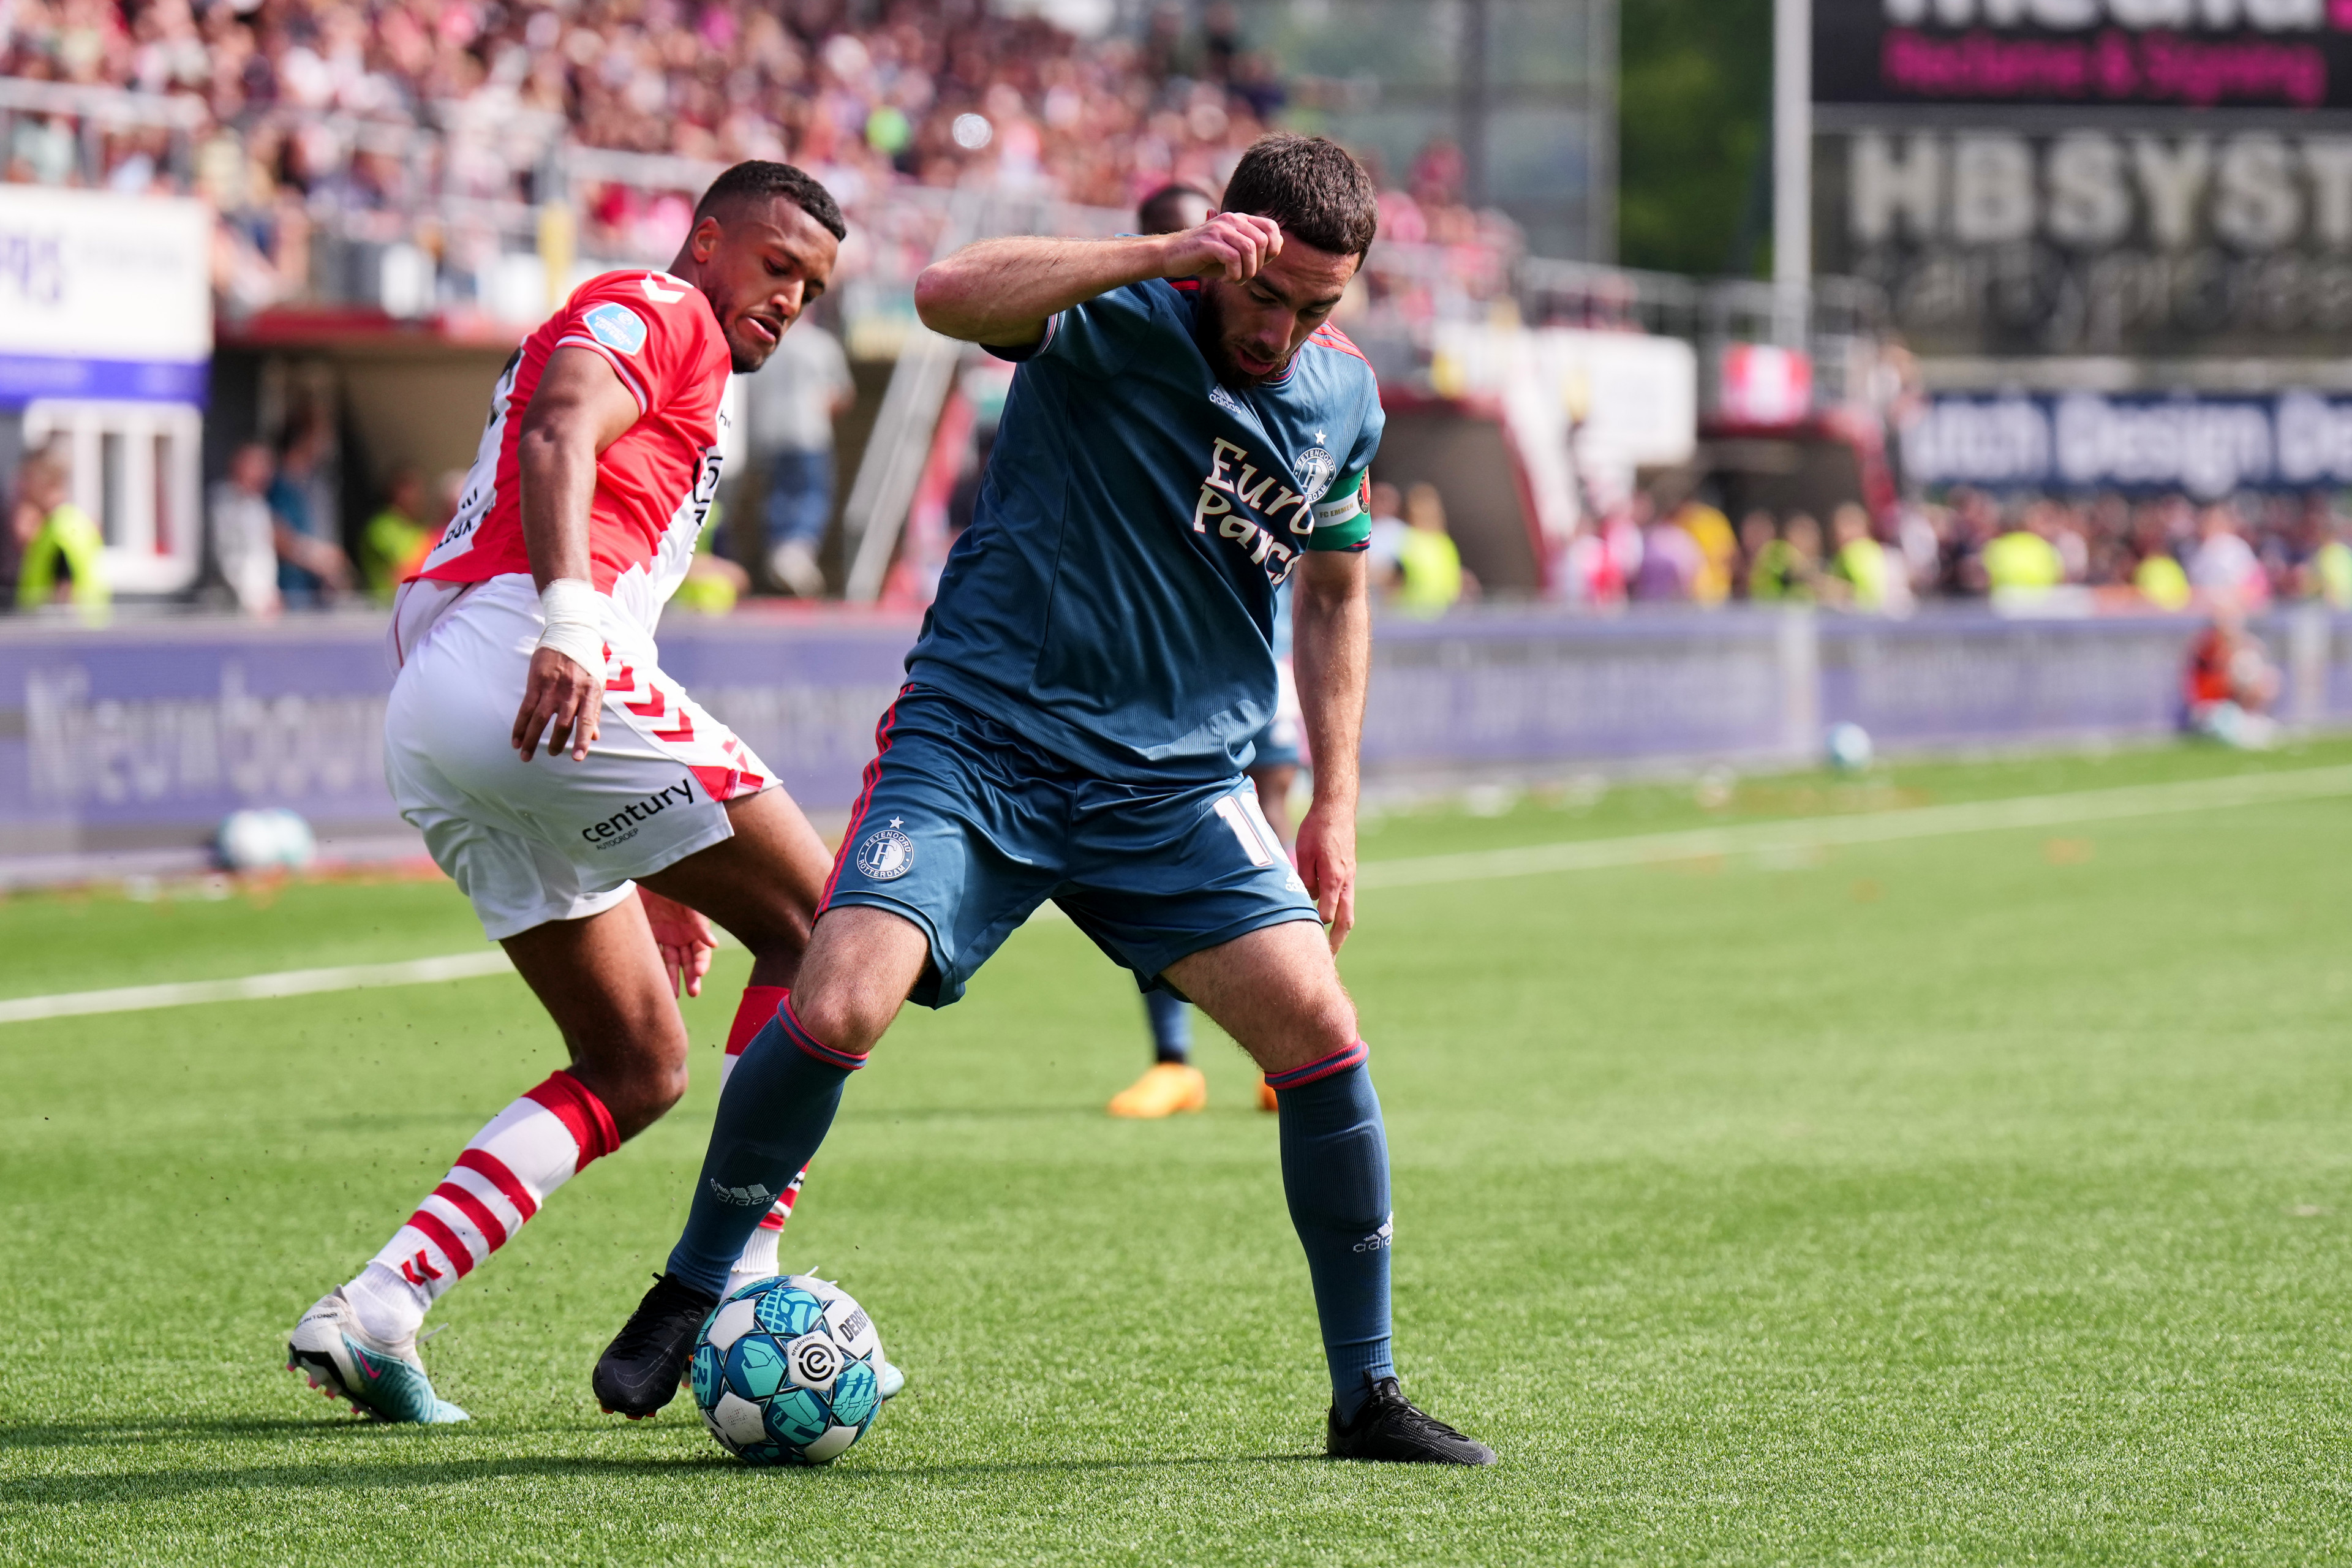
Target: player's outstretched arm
column 998, row 292
column 578, row 408
column 1331, row 652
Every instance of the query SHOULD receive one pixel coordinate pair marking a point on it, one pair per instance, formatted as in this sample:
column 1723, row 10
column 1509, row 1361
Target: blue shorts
column 1277, row 746
column 1281, row 744
column 965, row 828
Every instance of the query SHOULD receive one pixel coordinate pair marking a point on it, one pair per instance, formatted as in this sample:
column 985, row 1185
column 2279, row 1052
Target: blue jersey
column 1113, row 600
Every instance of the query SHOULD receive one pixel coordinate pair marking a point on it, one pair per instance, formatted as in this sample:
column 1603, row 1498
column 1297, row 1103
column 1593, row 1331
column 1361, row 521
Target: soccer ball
column 1849, row 747
column 784, row 1372
column 256, row 840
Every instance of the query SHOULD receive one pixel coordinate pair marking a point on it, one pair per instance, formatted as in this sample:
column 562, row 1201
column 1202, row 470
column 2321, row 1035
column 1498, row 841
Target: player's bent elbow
column 940, row 297
column 540, row 444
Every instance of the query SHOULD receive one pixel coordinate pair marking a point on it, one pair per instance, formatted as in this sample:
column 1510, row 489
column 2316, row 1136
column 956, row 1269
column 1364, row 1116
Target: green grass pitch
column 1972, row 1199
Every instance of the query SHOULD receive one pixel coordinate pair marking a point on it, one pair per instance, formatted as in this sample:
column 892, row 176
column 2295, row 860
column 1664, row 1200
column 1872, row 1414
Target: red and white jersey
column 653, row 485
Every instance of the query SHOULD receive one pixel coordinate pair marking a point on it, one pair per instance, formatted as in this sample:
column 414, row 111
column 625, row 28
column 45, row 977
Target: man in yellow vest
column 1859, row 563
column 62, row 552
column 2023, row 557
column 395, row 542
column 1429, row 566
column 1718, row 550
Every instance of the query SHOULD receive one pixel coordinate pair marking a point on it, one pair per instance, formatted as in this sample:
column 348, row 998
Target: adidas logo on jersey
column 1224, row 400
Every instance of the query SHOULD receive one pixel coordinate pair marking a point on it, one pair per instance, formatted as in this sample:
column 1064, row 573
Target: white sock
column 524, row 1153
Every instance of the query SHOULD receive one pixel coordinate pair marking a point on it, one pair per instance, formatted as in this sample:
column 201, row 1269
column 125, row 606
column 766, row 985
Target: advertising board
column 2149, row 178
column 2206, row 446
column 2188, row 53
column 103, row 297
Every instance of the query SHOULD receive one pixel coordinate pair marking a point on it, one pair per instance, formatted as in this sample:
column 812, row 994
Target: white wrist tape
column 575, row 623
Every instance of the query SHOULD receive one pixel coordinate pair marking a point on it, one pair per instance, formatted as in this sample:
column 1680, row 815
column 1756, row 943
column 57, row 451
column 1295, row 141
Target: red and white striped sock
column 758, row 1009
column 499, row 1181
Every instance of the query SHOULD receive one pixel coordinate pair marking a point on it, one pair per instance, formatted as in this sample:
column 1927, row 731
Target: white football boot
column 386, row 1382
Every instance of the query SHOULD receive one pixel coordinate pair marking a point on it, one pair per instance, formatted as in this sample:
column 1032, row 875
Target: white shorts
column 551, row 839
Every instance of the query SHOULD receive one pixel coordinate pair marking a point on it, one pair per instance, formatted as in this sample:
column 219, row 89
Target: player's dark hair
column 1311, row 187
column 756, row 180
column 1158, row 213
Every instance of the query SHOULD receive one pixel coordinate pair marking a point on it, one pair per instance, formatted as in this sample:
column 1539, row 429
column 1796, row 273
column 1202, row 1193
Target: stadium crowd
column 2162, row 550
column 305, row 111
column 309, row 108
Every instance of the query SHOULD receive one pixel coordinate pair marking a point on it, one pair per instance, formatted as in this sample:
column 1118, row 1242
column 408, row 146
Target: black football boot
column 639, row 1371
column 1389, row 1429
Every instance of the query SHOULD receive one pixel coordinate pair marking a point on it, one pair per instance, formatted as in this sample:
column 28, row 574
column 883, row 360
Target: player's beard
column 1209, row 331
column 743, row 361
column 745, row 351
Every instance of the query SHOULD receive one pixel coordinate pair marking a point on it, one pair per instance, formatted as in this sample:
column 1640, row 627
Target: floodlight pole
column 1792, row 144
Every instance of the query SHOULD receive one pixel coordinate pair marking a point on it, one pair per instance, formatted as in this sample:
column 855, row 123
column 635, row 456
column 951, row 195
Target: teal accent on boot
column 382, row 1382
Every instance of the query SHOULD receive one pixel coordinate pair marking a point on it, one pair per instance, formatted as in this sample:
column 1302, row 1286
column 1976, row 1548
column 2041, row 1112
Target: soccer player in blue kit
column 1186, row 431
column 1171, row 1083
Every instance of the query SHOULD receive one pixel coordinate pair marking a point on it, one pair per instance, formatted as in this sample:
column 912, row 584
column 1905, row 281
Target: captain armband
column 1340, row 520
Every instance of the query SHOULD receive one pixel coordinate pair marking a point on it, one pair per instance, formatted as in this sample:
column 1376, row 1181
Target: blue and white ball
column 265, row 838
column 1849, row 747
column 787, row 1371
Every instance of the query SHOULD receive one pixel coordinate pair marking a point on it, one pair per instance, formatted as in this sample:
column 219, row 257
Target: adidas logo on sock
column 747, row 1196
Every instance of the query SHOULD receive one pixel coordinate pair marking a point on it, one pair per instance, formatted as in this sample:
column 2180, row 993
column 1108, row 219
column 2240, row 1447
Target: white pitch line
column 1583, row 855
column 251, row 987
column 1873, row 827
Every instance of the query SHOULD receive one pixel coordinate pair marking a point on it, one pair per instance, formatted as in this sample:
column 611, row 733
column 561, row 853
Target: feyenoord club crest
column 885, row 853
column 1316, row 468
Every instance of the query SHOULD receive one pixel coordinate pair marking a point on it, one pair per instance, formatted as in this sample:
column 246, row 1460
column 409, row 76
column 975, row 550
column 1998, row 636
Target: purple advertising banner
column 145, row 736
column 141, row 737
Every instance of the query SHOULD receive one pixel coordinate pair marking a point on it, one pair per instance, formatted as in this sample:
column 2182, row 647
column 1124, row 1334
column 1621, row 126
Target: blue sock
column 774, row 1113
column 1335, row 1172
column 1171, row 1025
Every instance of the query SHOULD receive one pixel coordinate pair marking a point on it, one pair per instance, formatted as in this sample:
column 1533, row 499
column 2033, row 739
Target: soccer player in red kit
column 595, row 860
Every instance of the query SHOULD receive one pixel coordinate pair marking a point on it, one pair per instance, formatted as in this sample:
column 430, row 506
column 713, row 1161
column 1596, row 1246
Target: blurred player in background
column 2230, row 683
column 1172, row 1083
column 533, row 621
column 1186, row 431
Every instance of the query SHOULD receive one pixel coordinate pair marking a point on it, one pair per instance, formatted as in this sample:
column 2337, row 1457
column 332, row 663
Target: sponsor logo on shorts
column 885, row 853
column 616, row 327
column 623, row 824
column 1380, row 1239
